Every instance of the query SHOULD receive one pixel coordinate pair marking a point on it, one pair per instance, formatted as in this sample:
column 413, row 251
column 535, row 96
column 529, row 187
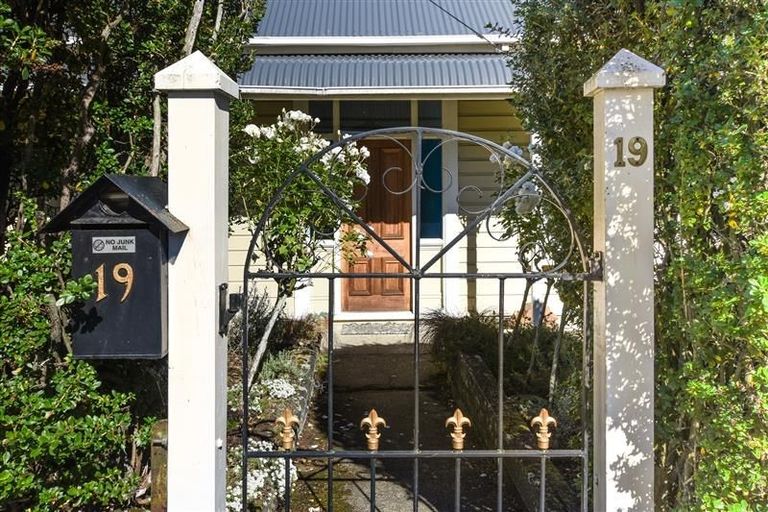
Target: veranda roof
column 390, row 74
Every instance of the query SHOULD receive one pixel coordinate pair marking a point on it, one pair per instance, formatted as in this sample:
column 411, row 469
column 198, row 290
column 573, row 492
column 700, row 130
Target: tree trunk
column 219, row 17
column 157, row 112
column 13, row 90
column 253, row 365
column 87, row 130
column 535, row 348
column 521, row 312
column 157, row 127
column 6, row 161
column 194, row 23
column 556, row 356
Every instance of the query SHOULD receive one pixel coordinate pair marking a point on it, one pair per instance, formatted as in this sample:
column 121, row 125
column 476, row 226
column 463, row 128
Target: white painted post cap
column 195, row 73
column 626, row 70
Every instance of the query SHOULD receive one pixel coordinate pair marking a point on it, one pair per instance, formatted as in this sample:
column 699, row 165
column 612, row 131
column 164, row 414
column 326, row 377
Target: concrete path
column 381, row 377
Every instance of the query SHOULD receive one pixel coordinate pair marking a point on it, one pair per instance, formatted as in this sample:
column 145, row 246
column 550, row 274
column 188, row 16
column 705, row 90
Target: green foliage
column 76, row 90
column 62, row 436
column 711, row 214
column 76, row 85
column 478, row 334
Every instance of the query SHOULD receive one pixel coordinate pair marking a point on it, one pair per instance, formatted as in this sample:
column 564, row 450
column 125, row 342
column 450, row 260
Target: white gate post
column 623, row 302
column 198, row 178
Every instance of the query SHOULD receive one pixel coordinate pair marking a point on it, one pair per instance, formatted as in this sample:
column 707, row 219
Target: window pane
column 360, row 116
column 432, row 202
column 324, row 111
column 430, row 114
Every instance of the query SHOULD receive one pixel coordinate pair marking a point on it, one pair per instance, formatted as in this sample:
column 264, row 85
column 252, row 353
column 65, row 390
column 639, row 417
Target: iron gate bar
column 415, row 273
column 500, row 405
column 329, row 380
column 490, row 146
column 287, row 497
column 561, row 276
column 358, row 221
column 416, row 371
column 457, row 486
column 543, row 486
column 421, row 454
column 586, row 379
column 479, row 219
column 416, row 166
column 373, row 485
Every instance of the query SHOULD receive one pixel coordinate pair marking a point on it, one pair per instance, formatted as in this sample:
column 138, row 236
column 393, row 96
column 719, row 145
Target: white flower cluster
column 720, row 192
column 527, row 198
column 279, row 388
column 294, row 127
column 507, row 161
column 349, row 154
column 265, row 479
column 292, row 121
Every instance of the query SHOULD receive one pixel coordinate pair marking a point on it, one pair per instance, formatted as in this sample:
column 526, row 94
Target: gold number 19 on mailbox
column 122, row 273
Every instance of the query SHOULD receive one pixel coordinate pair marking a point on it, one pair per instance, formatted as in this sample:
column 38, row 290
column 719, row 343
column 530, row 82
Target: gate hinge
column 596, row 265
column 227, row 311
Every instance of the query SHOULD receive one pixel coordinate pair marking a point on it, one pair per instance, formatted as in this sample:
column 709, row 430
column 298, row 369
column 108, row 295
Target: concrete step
column 348, row 334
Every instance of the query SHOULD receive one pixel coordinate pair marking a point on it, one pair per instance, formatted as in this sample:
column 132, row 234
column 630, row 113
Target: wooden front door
column 389, row 215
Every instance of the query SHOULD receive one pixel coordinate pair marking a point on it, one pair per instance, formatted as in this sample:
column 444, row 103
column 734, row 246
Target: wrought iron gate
column 519, row 186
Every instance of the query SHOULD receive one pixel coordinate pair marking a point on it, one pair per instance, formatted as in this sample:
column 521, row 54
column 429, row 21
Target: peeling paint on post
column 622, row 92
column 198, row 192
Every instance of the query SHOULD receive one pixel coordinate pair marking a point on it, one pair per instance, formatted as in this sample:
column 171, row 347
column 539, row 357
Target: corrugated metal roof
column 377, row 71
column 316, row 18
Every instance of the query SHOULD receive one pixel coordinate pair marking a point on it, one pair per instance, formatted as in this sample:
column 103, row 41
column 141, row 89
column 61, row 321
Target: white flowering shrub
column 279, row 388
column 304, row 214
column 265, row 479
column 235, row 401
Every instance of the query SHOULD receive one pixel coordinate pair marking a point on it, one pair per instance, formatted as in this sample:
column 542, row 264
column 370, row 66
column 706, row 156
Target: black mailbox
column 120, row 228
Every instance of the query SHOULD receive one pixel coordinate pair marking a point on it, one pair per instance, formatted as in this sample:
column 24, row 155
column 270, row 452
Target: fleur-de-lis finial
column 373, row 421
column 543, row 421
column 459, row 421
column 289, row 422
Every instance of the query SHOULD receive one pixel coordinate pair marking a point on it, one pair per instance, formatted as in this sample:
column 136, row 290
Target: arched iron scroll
column 520, row 188
column 515, row 178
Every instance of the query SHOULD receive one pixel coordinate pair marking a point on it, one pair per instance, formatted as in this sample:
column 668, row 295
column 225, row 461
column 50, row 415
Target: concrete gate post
column 622, row 91
column 198, row 150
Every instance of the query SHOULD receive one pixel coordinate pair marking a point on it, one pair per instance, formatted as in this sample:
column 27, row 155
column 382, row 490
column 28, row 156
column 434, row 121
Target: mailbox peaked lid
column 119, row 200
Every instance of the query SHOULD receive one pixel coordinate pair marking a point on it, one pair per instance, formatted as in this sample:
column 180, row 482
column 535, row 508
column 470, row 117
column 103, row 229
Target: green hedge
column 711, row 215
column 62, row 437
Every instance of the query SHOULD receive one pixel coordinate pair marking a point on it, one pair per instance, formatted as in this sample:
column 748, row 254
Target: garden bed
column 475, row 389
column 467, row 351
column 287, row 379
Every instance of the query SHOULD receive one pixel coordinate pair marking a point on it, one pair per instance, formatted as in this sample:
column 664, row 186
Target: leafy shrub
column 63, row 438
column 711, row 210
column 477, row 334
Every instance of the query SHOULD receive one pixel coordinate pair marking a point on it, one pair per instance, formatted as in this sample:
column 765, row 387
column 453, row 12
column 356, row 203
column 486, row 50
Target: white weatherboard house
column 366, row 64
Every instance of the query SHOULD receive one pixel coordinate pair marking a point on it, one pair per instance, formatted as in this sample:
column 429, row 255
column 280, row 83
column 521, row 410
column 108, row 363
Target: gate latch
column 596, row 265
column 227, row 311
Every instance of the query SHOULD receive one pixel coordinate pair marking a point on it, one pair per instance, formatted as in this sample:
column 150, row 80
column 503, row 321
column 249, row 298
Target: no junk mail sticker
column 110, row 245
